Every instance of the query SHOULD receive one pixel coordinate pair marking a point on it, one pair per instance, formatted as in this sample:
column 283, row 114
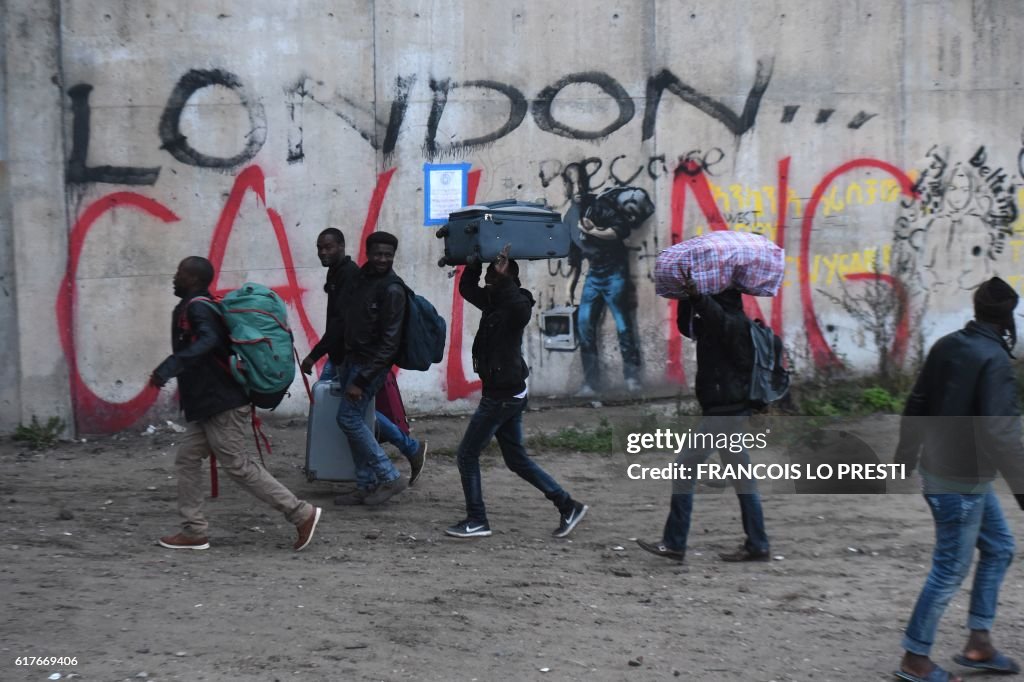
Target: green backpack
column 262, row 352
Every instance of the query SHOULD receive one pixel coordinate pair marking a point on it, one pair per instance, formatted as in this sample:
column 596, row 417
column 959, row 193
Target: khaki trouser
column 226, row 435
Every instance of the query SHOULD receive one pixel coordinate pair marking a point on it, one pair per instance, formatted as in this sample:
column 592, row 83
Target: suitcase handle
column 442, row 232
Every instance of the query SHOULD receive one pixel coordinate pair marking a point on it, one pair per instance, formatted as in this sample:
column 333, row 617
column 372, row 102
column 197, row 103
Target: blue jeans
column 372, row 465
column 502, row 419
column 677, row 526
column 962, row 522
column 387, row 431
column 614, row 289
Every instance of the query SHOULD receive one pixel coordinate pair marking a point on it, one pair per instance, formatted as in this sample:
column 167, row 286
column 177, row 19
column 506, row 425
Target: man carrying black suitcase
column 498, row 359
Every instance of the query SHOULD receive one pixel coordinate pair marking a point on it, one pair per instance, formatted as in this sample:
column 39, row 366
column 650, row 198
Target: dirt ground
column 383, row 594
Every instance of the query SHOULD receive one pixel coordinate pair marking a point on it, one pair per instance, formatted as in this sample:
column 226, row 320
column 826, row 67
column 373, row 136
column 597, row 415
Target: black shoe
column 469, row 529
column 352, row 498
column 386, row 491
column 744, row 554
column 567, row 522
column 416, row 462
column 661, row 550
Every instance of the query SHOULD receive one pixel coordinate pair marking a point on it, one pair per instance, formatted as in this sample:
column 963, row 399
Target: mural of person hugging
column 600, row 225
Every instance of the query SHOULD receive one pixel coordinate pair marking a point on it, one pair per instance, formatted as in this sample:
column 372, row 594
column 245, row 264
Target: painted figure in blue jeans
column 498, row 359
column 607, row 286
column 374, row 314
column 341, row 272
column 725, row 362
column 962, row 420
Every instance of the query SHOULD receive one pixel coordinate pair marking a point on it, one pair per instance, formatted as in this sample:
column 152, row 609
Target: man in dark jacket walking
column 218, row 412
column 498, row 359
column 341, row 270
column 968, row 383
column 341, row 274
column 725, row 363
column 374, row 315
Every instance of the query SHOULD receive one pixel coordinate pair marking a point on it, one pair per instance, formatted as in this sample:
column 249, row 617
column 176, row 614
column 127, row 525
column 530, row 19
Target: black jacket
column 374, row 313
column 604, row 256
column 725, row 352
column 332, row 343
column 968, row 381
column 199, row 340
column 497, row 347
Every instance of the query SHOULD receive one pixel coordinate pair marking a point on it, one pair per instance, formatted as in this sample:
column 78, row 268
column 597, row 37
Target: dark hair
column 513, row 270
column 333, row 232
column 994, row 302
column 199, row 267
column 382, row 238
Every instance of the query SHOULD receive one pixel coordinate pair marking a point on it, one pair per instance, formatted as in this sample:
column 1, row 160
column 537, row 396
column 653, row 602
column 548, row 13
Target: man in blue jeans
column 498, row 359
column 387, row 432
column 374, row 314
column 725, row 363
column 341, row 272
column 963, row 420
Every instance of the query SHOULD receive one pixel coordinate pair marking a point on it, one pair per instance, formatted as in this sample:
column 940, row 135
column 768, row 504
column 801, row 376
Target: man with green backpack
column 218, row 383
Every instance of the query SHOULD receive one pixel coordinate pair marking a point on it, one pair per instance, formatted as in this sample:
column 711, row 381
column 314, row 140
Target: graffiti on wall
column 939, row 202
column 963, row 223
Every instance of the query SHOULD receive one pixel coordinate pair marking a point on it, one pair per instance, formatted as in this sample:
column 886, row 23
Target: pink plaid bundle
column 720, row 260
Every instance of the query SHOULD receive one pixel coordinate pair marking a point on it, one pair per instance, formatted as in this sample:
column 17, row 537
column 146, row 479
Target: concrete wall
column 33, row 213
column 238, row 130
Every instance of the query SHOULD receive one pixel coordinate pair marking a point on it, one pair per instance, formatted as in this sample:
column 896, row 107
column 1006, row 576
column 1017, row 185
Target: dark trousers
column 501, row 419
column 677, row 526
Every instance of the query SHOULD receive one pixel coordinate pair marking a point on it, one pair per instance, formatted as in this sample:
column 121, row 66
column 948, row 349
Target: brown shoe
column 416, row 463
column 182, row 541
column 352, row 498
column 306, row 529
column 744, row 554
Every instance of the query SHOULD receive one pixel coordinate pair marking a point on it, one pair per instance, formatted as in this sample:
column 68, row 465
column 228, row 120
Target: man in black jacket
column 218, row 413
column 968, row 383
column 725, row 363
column 498, row 359
column 374, row 314
column 330, row 248
column 341, row 274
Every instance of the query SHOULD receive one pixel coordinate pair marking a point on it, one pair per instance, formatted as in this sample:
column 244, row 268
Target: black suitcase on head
column 478, row 233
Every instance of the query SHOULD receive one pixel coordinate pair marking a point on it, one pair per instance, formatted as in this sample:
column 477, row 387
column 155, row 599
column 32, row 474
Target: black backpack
column 626, row 206
column 769, row 380
column 423, row 334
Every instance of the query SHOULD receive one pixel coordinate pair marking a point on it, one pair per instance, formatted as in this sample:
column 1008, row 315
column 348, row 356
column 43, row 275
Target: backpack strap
column 186, row 325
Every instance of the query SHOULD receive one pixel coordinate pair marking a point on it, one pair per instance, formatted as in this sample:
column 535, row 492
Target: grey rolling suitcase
column 477, row 233
column 328, row 457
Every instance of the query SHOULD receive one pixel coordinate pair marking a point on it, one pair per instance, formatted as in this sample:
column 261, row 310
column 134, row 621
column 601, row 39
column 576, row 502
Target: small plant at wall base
column 40, row 436
column 597, row 440
column 853, row 397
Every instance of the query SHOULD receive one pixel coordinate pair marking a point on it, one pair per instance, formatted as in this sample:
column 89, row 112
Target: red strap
column 214, row 488
column 257, row 432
